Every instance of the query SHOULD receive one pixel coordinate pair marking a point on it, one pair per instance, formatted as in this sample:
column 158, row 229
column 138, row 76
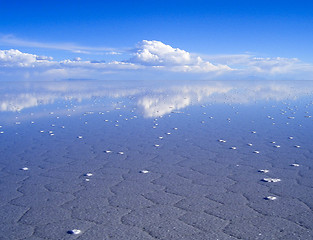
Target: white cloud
column 157, row 53
column 269, row 67
column 165, row 57
column 15, row 58
column 9, row 58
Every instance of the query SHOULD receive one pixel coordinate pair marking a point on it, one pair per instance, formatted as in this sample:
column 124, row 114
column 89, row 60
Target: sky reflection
column 152, row 99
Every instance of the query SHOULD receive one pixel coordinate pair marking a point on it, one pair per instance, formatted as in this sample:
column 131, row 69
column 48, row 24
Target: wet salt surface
column 181, row 163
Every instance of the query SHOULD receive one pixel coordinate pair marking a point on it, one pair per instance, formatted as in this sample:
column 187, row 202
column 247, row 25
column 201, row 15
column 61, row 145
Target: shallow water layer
column 166, row 160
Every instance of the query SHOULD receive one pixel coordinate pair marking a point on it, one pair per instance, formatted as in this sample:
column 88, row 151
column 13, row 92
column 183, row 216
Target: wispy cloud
column 11, row 40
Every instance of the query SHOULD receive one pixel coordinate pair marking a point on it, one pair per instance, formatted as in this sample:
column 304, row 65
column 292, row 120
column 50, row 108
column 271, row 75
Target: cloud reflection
column 151, row 99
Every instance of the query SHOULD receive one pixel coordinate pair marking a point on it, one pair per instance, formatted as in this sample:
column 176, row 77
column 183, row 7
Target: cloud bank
column 151, row 60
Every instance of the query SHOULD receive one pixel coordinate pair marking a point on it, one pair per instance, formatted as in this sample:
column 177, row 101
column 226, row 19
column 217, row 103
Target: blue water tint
column 201, row 145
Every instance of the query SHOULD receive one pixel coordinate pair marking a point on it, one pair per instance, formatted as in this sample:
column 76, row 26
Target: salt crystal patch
column 295, row 165
column 271, row 180
column 75, row 231
column 271, row 198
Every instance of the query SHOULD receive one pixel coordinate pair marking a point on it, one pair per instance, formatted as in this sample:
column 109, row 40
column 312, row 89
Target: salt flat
column 143, row 163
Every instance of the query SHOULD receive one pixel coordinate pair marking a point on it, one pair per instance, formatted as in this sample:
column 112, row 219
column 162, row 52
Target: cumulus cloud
column 158, row 54
column 9, row 58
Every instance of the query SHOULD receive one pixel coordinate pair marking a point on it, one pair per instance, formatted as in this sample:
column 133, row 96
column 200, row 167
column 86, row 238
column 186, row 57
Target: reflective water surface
column 166, row 160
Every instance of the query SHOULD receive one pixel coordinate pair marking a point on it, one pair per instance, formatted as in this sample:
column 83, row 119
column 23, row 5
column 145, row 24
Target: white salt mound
column 75, row 231
column 295, row 165
column 271, row 198
column 271, row 180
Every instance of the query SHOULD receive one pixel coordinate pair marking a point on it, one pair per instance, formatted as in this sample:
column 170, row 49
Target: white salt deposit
column 75, row 231
column 271, row 198
column 271, row 180
column 295, row 165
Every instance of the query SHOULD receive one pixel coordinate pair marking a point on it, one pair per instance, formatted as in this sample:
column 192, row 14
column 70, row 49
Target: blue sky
column 240, row 39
